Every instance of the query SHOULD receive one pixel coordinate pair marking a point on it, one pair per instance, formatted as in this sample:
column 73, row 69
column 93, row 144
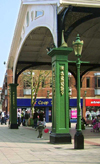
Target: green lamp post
column 78, row 138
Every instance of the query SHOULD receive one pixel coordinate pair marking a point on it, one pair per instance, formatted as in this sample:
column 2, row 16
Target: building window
column 27, row 19
column 51, row 82
column 43, row 83
column 97, row 82
column 88, row 82
column 27, row 84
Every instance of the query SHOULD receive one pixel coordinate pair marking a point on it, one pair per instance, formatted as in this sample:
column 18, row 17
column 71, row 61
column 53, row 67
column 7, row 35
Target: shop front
column 92, row 108
column 41, row 104
column 46, row 106
column 73, row 109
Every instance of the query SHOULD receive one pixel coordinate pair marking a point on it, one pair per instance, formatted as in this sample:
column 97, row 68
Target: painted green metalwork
column 60, row 106
column 13, row 106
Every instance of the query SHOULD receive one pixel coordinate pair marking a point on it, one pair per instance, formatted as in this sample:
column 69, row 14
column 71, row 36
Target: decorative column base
column 60, row 138
column 78, row 140
column 13, row 126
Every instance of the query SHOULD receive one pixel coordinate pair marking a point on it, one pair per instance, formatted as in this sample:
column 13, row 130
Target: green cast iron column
column 13, row 106
column 60, row 97
column 78, row 96
column 78, row 138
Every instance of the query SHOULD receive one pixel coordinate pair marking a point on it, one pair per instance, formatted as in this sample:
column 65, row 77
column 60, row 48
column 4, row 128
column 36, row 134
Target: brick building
column 90, row 92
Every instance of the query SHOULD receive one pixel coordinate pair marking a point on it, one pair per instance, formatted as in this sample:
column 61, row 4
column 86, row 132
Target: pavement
column 21, row 146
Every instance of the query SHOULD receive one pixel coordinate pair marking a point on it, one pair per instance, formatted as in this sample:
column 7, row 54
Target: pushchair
column 98, row 126
column 95, row 126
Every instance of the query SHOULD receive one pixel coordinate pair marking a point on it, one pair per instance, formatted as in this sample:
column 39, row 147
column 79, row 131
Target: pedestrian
column 3, row 118
column 22, row 117
column 35, row 119
column 40, row 128
column 83, row 120
column 0, row 116
column 19, row 117
column 26, row 118
column 41, row 115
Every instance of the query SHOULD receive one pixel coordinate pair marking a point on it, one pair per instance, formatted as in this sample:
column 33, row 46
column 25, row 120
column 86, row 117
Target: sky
column 9, row 10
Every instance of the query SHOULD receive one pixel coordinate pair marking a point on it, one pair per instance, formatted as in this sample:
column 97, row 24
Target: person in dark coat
column 41, row 116
column 26, row 117
column 35, row 119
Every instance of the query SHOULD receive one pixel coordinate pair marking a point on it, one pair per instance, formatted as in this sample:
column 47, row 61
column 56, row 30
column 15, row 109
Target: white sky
column 8, row 17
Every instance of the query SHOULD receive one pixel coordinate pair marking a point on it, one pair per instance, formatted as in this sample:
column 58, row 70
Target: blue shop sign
column 73, row 102
column 39, row 102
column 43, row 102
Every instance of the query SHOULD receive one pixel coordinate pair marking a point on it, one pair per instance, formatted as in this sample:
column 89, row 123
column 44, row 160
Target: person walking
column 22, row 117
column 26, row 118
column 19, row 117
column 40, row 128
column 3, row 119
column 41, row 115
column 35, row 119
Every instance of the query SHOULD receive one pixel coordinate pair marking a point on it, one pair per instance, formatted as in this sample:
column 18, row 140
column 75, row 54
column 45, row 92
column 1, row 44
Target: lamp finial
column 64, row 44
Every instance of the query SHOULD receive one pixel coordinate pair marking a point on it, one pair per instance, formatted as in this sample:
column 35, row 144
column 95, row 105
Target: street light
column 78, row 138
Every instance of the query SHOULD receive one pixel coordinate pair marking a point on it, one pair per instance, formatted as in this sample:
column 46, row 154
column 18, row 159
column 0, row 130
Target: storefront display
column 46, row 106
column 73, row 114
column 92, row 108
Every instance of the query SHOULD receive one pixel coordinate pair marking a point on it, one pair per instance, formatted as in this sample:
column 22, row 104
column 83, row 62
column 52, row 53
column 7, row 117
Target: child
column 40, row 128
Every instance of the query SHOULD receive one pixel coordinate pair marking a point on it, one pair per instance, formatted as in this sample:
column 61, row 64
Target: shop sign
column 43, row 102
column 92, row 102
column 39, row 102
column 73, row 113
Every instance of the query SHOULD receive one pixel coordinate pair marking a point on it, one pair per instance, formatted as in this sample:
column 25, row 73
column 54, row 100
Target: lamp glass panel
column 78, row 49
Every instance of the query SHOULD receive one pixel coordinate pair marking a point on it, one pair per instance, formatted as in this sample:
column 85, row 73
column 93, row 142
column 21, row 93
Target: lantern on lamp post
column 78, row 138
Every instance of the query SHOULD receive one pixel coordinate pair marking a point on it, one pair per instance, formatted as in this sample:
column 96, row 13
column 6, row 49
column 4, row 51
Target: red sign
column 92, row 102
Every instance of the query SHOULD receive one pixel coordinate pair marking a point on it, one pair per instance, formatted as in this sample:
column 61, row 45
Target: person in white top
column 88, row 115
column 19, row 117
column 3, row 118
column 97, row 112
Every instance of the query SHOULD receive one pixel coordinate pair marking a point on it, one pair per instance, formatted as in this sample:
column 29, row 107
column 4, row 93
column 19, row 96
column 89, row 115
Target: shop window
column 87, row 82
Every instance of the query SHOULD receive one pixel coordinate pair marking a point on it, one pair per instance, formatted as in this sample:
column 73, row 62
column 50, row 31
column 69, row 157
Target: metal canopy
column 33, row 54
column 73, row 20
column 86, row 23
